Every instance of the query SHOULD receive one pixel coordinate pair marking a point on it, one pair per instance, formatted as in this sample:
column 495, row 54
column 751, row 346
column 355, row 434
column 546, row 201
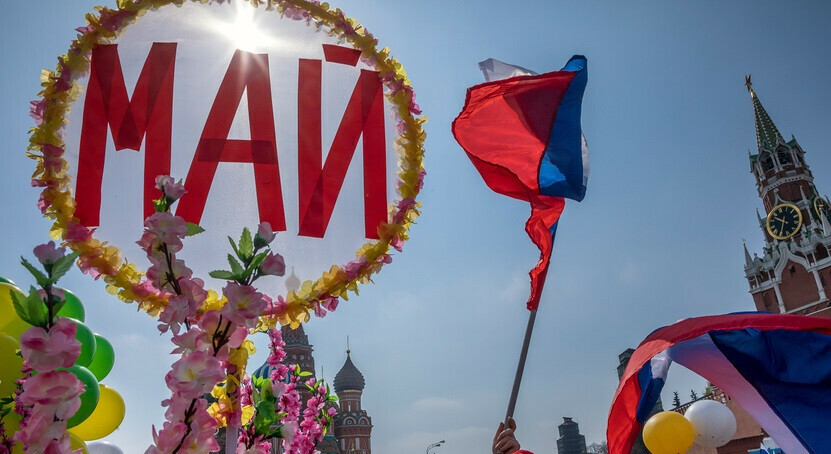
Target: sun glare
column 244, row 31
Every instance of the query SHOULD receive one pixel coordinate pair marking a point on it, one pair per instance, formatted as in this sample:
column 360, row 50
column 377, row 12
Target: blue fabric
column 791, row 370
column 650, row 392
column 561, row 168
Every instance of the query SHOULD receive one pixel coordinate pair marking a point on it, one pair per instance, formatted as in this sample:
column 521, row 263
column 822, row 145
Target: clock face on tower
column 821, row 207
column 784, row 221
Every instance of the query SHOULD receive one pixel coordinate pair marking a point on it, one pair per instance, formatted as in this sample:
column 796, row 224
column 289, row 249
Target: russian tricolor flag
column 776, row 367
column 523, row 135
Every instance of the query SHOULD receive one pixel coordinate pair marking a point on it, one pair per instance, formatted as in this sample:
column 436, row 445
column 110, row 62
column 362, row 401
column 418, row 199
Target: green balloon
column 87, row 340
column 102, row 362
column 72, row 308
column 89, row 398
column 6, row 281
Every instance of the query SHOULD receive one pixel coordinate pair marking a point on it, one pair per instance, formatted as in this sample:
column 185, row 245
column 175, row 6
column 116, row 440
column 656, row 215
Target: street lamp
column 434, row 445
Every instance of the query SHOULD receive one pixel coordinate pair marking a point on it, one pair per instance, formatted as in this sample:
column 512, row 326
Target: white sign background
column 207, row 37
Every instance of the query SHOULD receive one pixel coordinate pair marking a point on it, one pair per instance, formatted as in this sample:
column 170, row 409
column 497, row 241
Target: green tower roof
column 767, row 135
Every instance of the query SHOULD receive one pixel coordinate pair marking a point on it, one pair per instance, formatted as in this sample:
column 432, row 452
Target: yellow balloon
column 11, row 365
column 77, row 443
column 11, row 424
column 106, row 417
column 668, row 432
column 15, row 328
column 7, row 312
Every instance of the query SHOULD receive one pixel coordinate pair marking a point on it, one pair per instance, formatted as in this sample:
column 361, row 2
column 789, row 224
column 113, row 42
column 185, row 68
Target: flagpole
column 521, row 365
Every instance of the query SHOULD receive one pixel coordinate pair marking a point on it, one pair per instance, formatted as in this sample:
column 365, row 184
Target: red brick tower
column 353, row 427
column 793, row 274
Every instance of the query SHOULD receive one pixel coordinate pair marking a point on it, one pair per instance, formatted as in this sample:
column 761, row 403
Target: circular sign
column 282, row 112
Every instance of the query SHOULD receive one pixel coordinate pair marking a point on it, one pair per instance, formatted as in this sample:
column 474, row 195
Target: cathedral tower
column 353, row 426
column 793, row 273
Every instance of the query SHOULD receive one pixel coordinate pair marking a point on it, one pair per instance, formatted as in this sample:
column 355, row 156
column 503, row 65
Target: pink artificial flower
column 169, row 186
column 244, row 305
column 56, row 292
column 332, row 411
column 274, row 265
column 62, row 81
column 397, row 243
column 52, row 158
column 77, row 233
column 166, row 226
column 153, row 246
column 330, row 303
column 275, row 307
column 174, row 314
column 319, row 310
column 191, row 340
column 48, row 253
column 37, row 110
column 158, row 273
column 57, row 389
column 46, row 351
column 194, row 374
column 265, row 232
column 353, row 268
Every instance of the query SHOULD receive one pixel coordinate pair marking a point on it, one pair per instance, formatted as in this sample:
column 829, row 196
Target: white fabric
column 495, row 70
column 701, row 356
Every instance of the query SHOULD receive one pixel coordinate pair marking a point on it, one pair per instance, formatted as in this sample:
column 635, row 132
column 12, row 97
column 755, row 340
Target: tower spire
column 767, row 135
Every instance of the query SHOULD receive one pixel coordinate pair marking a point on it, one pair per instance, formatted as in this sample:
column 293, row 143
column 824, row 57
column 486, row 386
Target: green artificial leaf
column 332, row 398
column 265, row 417
column 41, row 278
column 63, row 265
column 259, row 242
column 222, row 274
column 246, row 245
column 304, row 374
column 160, row 205
column 233, row 246
column 193, row 229
column 255, row 263
column 30, row 308
column 236, row 267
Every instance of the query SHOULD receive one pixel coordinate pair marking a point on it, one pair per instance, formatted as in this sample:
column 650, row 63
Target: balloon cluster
column 102, row 408
column 706, row 423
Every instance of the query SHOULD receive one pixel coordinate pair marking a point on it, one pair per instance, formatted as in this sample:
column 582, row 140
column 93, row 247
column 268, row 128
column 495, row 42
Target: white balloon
column 103, row 447
column 713, row 422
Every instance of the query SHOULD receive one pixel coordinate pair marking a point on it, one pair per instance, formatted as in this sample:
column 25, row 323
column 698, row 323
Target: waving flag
column 523, row 135
column 776, row 367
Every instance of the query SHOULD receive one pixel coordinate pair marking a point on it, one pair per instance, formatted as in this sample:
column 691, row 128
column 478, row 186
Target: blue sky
column 658, row 237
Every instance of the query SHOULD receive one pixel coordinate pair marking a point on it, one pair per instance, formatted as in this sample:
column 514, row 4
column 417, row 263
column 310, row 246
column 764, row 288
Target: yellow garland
column 120, row 275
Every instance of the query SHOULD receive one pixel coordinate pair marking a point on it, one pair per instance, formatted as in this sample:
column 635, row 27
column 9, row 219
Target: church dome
column 349, row 378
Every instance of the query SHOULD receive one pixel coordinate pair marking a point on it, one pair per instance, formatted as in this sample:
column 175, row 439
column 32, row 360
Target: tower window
column 784, row 157
column 767, row 162
column 792, row 270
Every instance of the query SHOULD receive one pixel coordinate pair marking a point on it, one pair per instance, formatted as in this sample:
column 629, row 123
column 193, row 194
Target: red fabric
column 149, row 113
column 522, row 451
column 623, row 428
column 320, row 182
column 250, row 71
column 340, row 54
column 505, row 127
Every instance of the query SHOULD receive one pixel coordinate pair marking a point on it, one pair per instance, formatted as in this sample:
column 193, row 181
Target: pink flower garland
column 205, row 344
column 47, row 399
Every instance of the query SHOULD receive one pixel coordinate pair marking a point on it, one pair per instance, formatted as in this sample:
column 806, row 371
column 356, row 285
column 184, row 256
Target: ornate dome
column 349, row 378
